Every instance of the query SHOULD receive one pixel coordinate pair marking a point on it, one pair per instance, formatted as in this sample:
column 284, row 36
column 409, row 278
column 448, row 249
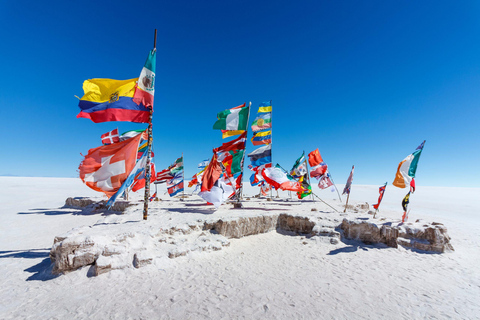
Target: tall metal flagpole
column 149, row 152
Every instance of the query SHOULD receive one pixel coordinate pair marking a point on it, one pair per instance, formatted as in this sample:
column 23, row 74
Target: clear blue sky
column 364, row 81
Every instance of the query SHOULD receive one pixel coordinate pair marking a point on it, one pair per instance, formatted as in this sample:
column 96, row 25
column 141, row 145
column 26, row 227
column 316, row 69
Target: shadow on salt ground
column 68, row 210
column 193, row 210
column 41, row 271
column 353, row 245
column 25, row 254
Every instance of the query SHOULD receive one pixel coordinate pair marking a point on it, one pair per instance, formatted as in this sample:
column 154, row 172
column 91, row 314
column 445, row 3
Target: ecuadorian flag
column 111, row 100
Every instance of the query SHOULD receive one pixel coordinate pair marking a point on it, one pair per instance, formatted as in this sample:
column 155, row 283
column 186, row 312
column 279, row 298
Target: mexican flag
column 232, row 119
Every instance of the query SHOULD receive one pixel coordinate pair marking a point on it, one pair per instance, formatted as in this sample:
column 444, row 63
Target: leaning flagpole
column 149, row 152
column 308, row 174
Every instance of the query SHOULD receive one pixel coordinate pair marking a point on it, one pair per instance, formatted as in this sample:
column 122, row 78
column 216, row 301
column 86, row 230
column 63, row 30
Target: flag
column 232, row 119
column 407, row 168
column 348, row 185
column 299, row 167
column 319, row 170
column 265, row 107
column 325, row 181
column 203, row 164
column 279, row 179
column 145, row 88
column 174, row 189
column 412, row 185
column 130, row 134
column 257, row 178
column 105, row 168
column 405, row 202
column 381, row 190
column 314, row 158
column 153, row 196
column 262, row 121
column 218, row 193
column 135, row 172
column 110, row 137
column 139, row 180
column 262, row 155
column 111, row 100
column 231, row 160
column 264, row 137
column 265, row 187
column 177, row 166
column 163, row 176
column 212, row 174
column 235, row 144
column 231, row 133
column 306, row 188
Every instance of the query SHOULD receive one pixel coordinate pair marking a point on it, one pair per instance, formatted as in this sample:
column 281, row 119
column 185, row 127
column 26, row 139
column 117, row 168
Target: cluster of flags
column 173, row 176
column 119, row 164
column 261, row 158
column 221, row 177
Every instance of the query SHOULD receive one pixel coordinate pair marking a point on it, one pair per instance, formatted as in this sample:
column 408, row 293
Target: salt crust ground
column 268, row 276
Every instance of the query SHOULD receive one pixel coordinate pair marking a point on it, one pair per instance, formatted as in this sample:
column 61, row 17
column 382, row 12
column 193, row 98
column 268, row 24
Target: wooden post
column 149, row 152
column 346, row 204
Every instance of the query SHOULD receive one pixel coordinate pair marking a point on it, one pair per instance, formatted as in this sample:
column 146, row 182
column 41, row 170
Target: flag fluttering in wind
column 262, row 121
column 262, row 137
column 256, row 178
column 319, row 168
column 235, row 144
column 163, row 176
column 265, row 107
column 262, row 155
column 110, row 137
column 325, row 181
column 130, row 134
column 106, row 168
column 348, row 185
column 381, row 190
column 306, row 188
column 145, row 89
column 139, row 180
column 219, row 192
column 120, row 100
column 170, row 172
column 203, row 164
column 232, row 119
column 405, row 202
column 175, row 186
column 299, row 167
column 279, row 179
column 407, row 168
column 111, row 100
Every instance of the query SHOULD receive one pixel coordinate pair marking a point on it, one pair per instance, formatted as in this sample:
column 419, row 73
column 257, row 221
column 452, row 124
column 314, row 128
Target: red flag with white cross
column 105, row 168
column 110, row 137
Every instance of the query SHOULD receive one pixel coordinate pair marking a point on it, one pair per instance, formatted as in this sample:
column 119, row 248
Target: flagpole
column 308, row 174
column 239, row 196
column 149, row 152
column 380, row 200
column 271, row 142
column 312, row 191
column 339, row 197
column 183, row 174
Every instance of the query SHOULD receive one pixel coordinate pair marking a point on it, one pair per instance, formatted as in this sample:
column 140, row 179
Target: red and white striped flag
column 110, row 137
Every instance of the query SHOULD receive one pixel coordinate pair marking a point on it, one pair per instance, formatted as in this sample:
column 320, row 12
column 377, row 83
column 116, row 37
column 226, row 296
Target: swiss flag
column 105, row 168
column 110, row 137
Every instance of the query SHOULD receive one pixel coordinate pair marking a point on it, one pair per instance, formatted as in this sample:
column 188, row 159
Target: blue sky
column 364, row 81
